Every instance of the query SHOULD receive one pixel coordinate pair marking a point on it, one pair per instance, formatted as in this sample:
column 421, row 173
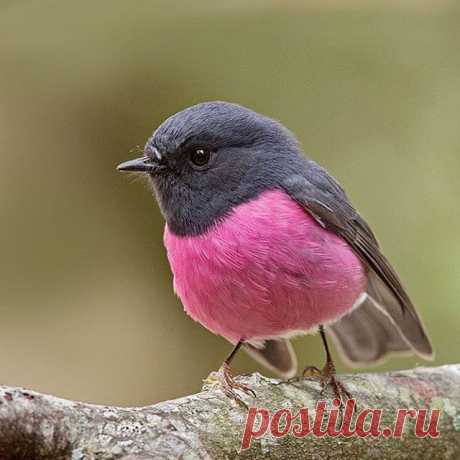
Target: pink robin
column 265, row 245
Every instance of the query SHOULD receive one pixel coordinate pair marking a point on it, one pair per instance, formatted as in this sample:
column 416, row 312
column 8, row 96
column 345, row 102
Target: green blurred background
column 87, row 309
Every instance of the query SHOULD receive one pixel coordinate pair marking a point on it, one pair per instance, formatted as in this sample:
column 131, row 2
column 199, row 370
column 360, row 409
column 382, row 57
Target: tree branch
column 209, row 426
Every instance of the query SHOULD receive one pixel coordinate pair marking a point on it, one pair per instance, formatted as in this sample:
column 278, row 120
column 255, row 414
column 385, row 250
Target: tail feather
column 407, row 321
column 276, row 355
column 366, row 335
column 378, row 327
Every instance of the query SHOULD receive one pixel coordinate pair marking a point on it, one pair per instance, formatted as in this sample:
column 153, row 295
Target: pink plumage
column 266, row 270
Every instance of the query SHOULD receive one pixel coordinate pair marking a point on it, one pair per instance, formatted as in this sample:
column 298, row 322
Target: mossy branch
column 209, row 426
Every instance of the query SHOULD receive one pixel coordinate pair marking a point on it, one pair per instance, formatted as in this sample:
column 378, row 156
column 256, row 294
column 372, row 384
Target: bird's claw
column 328, row 378
column 312, row 372
column 224, row 380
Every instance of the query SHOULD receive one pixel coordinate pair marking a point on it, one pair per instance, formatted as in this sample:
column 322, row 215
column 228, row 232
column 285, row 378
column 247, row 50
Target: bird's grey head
column 210, row 157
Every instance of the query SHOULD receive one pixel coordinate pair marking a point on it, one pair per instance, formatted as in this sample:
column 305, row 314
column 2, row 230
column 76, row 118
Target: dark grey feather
column 276, row 355
column 366, row 335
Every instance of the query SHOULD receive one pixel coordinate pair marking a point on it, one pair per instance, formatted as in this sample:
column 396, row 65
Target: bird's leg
column 327, row 375
column 226, row 381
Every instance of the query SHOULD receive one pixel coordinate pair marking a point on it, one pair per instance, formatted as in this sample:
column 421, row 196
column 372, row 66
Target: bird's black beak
column 144, row 165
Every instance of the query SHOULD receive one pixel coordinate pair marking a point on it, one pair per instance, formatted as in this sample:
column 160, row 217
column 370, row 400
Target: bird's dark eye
column 200, row 156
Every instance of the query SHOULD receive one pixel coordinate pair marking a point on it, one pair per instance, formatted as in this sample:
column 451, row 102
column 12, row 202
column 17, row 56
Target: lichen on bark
column 209, row 426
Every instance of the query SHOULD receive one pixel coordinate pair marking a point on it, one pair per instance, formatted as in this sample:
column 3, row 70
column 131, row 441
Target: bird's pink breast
column 267, row 269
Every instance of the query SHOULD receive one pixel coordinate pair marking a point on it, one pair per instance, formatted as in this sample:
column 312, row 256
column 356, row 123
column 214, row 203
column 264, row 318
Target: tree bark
column 207, row 425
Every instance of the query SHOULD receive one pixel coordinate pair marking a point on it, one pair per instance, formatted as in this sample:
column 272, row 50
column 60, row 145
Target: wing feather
column 321, row 196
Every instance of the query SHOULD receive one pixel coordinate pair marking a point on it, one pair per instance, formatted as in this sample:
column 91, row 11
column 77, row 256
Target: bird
column 265, row 245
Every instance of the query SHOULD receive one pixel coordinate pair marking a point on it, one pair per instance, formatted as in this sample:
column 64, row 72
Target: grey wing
column 321, row 196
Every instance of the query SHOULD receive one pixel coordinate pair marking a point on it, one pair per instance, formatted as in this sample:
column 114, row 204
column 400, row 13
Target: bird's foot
column 224, row 380
column 328, row 378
